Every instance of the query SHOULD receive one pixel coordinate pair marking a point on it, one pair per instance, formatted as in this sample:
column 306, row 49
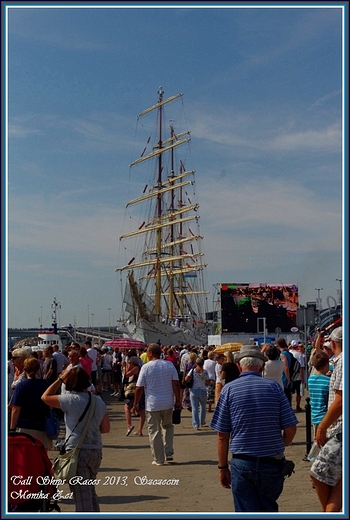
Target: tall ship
column 164, row 272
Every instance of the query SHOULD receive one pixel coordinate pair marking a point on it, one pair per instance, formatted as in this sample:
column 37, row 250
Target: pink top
column 86, row 363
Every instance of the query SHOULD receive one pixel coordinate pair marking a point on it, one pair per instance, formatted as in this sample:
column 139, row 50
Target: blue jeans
column 198, row 401
column 255, row 486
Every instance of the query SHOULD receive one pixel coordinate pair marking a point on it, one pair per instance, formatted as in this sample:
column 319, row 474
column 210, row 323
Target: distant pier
column 67, row 334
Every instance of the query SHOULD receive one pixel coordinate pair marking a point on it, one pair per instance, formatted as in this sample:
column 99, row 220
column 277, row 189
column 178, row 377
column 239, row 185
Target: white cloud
column 275, row 132
column 326, row 139
column 324, row 99
column 21, row 131
column 234, row 218
column 274, row 214
column 72, row 229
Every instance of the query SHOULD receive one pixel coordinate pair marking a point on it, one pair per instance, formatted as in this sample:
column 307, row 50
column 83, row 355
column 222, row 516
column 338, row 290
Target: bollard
column 308, row 425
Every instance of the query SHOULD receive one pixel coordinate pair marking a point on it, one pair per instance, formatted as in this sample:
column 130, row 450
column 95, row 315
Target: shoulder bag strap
column 87, row 424
column 79, row 420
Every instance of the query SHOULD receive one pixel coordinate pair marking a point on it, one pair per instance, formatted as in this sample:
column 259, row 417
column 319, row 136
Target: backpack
column 294, row 369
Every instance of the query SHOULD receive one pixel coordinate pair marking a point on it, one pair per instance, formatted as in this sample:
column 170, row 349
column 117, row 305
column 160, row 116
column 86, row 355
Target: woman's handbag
column 65, row 465
column 52, row 425
column 176, row 419
column 189, row 382
column 129, row 390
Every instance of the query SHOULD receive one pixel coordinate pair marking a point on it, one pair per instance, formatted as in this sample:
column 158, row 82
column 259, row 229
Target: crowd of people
column 248, row 396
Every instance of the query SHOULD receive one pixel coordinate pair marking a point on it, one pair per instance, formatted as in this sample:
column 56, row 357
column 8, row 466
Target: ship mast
column 159, row 212
column 172, row 248
column 161, row 289
column 54, row 306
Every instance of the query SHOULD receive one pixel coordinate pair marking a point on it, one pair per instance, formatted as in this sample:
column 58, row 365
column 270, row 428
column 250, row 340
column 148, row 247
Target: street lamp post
column 88, row 317
column 109, row 320
column 41, row 317
column 319, row 304
column 340, row 291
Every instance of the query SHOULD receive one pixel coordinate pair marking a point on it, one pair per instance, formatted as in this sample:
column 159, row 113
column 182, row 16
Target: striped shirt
column 336, row 384
column 254, row 410
column 318, row 386
column 157, row 378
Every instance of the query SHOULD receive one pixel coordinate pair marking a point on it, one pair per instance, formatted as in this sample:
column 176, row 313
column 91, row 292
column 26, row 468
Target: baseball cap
column 337, row 335
column 294, row 343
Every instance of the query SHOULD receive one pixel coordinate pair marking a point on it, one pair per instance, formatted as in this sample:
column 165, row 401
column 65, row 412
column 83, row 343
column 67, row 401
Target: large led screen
column 242, row 304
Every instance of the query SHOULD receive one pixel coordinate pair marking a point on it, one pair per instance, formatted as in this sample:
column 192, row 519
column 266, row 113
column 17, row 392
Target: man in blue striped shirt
column 254, row 421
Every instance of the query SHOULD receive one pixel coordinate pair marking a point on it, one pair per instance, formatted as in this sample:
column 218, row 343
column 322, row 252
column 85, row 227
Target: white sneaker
column 155, row 463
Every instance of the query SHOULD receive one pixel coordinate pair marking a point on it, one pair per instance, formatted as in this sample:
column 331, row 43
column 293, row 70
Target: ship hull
column 164, row 334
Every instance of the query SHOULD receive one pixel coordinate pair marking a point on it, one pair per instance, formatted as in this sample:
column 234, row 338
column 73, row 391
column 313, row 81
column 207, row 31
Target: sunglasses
column 15, row 357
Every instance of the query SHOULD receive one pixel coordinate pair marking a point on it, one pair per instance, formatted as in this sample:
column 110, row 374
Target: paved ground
column 191, row 480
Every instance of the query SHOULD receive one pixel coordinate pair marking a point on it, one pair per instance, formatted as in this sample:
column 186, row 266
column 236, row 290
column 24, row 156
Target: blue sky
column 263, row 101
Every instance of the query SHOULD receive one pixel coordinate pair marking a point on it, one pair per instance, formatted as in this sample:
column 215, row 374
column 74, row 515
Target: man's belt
column 264, row 460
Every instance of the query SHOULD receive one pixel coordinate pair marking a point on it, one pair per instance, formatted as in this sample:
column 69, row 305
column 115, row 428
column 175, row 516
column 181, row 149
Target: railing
column 92, row 334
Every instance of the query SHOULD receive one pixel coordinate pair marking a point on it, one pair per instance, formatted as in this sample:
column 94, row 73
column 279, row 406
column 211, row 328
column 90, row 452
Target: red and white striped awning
column 125, row 343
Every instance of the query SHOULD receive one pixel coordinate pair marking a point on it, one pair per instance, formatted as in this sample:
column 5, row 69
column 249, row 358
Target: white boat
column 49, row 337
column 42, row 340
column 165, row 293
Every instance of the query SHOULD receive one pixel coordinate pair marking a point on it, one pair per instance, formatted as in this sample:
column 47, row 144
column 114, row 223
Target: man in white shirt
column 159, row 380
column 61, row 359
column 296, row 385
column 209, row 366
column 92, row 353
